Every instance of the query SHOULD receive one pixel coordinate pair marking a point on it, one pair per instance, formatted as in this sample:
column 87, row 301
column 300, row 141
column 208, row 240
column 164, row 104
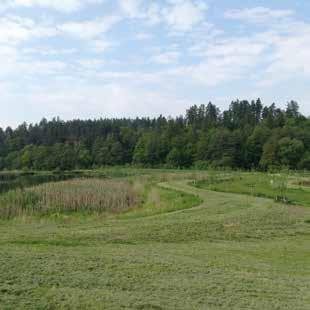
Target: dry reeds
column 80, row 195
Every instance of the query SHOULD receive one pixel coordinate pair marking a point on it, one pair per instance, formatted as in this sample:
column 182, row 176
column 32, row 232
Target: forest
column 248, row 135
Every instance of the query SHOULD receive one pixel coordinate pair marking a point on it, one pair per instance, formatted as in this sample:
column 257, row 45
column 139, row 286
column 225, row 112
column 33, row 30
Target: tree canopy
column 248, row 135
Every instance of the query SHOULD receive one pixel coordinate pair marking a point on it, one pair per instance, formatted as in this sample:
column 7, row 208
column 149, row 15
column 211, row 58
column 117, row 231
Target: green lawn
column 218, row 251
column 260, row 184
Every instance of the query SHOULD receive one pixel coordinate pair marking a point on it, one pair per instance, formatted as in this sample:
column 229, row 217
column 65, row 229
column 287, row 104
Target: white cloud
column 137, row 9
column 258, row 14
column 73, row 81
column 100, row 46
column 235, row 46
column 106, row 100
column 143, row 36
column 276, row 55
column 268, row 58
column 183, row 15
column 180, row 15
column 224, row 59
column 13, row 65
column 91, row 64
column 45, row 51
column 19, row 57
column 153, row 14
column 59, row 5
column 166, row 58
column 89, row 29
column 44, row 68
column 131, row 8
column 14, row 29
column 290, row 56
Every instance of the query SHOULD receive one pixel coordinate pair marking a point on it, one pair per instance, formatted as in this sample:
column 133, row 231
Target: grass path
column 209, row 196
column 231, row 252
column 273, row 186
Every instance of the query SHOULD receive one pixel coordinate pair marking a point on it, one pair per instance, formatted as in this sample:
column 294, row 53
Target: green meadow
column 157, row 239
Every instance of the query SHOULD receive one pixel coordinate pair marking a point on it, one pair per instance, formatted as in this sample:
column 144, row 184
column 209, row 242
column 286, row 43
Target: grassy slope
column 260, row 184
column 232, row 252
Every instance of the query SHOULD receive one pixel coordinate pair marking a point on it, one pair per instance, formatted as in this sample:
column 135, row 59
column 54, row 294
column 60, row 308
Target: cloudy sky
column 115, row 58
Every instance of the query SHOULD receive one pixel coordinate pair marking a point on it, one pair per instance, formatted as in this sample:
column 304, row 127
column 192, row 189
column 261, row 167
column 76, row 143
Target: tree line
column 248, row 135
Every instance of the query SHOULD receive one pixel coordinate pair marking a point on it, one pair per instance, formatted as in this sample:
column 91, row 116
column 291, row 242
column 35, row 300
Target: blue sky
column 127, row 58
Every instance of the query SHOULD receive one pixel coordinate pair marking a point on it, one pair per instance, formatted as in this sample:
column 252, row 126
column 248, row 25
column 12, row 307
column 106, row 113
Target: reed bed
column 79, row 195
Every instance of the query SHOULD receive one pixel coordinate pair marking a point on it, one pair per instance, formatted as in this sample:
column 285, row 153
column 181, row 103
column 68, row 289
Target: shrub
column 201, row 165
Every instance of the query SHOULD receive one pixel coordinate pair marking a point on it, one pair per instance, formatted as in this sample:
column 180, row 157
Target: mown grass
column 159, row 200
column 276, row 186
column 230, row 252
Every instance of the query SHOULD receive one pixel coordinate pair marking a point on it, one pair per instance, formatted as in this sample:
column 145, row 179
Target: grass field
column 183, row 247
column 295, row 189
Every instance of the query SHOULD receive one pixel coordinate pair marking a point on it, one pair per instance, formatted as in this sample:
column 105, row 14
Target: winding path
column 212, row 199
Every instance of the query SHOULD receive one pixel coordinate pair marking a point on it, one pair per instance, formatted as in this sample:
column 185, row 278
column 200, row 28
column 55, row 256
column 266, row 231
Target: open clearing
column 218, row 251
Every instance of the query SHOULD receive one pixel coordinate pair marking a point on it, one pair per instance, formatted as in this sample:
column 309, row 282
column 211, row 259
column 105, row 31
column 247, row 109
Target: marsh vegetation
column 78, row 195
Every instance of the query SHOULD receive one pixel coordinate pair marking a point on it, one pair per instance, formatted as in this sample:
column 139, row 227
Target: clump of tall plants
column 279, row 183
column 79, row 195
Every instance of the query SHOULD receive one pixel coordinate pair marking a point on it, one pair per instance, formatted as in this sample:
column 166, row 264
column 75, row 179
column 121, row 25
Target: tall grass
column 79, row 195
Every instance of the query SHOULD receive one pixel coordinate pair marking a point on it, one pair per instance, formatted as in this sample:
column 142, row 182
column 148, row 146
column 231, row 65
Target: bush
column 201, row 165
column 304, row 164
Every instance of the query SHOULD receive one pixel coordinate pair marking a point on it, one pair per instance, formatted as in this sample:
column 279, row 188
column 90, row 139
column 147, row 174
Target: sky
column 127, row 58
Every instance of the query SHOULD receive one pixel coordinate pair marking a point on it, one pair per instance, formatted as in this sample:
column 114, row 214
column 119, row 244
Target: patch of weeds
column 148, row 307
column 121, row 241
column 61, row 243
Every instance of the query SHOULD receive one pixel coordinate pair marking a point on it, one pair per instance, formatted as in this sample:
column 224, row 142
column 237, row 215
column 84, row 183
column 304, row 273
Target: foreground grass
column 231, row 252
